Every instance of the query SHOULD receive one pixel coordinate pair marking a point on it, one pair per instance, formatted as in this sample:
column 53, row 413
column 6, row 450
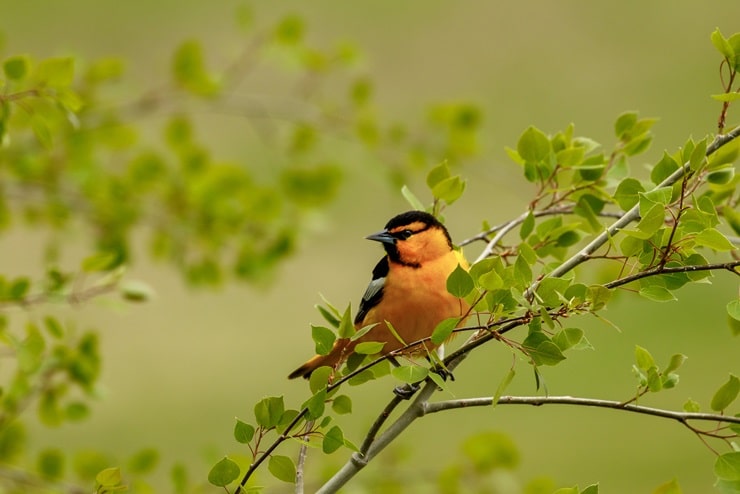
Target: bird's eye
column 404, row 234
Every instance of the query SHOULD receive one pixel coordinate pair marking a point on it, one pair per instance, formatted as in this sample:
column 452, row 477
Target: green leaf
column 726, row 394
column 16, row 68
column 657, row 293
column 733, row 309
column 319, row 378
column 721, row 176
column 714, row 239
column 189, row 71
column 109, row 477
column 691, row 406
column 727, row 466
column 102, row 261
column 243, row 432
column 624, row 124
column 551, row 289
column 675, row 363
column 627, row 193
column 698, row 155
column 533, row 145
column 503, row 385
column 54, row 327
column 51, row 464
column 436, row 175
column 316, row 404
column 671, row 487
column 143, row 461
column 282, row 468
column 444, row 330
column 728, row 97
column 224, row 472
column 19, row 288
column 722, row 45
column 41, row 130
column 651, row 222
column 412, row 199
column 591, row 489
column 333, row 440
column 323, row 338
column 568, row 338
column 643, row 358
column 136, row 291
column 290, row 30
column 346, row 327
column 527, row 226
column 459, row 282
column 267, row 411
column 410, row 373
column 56, row 72
column 449, row 190
column 663, row 169
column 489, row 451
column 342, row 404
column 542, row 350
column 369, row 347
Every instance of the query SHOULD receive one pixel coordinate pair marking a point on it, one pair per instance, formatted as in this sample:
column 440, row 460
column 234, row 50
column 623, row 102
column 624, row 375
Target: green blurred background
column 178, row 369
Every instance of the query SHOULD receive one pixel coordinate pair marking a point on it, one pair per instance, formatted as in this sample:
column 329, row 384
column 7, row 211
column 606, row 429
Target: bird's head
column 413, row 237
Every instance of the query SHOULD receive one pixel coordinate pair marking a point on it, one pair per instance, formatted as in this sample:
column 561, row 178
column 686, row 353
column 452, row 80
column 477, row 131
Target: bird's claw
column 406, row 391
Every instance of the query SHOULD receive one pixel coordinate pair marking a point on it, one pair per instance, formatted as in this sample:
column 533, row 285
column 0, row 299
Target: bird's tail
column 338, row 353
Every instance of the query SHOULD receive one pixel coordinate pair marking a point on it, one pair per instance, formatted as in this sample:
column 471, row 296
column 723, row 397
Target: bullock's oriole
column 408, row 289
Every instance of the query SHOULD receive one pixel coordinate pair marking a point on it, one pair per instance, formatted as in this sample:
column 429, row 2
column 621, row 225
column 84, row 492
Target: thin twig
column 729, row 266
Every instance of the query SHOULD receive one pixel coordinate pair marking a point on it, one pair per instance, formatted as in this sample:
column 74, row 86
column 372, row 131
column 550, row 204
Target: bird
column 408, row 290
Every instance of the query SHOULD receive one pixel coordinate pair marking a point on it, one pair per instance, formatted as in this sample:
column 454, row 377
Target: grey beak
column 383, row 237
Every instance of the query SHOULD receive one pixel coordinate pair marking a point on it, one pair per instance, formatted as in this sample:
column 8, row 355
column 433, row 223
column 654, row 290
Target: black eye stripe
column 406, row 233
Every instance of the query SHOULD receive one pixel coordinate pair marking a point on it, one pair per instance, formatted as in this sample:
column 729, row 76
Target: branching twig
column 729, row 266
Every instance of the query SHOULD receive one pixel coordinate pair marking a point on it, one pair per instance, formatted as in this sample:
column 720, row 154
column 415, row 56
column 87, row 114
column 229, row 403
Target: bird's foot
column 406, row 391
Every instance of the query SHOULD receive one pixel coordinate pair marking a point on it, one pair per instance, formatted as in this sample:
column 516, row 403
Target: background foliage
column 316, row 120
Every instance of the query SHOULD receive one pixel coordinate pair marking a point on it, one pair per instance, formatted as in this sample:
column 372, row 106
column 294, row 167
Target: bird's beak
column 383, row 237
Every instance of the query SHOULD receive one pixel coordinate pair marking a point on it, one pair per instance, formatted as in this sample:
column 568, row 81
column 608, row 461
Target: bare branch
column 729, row 266
column 682, row 417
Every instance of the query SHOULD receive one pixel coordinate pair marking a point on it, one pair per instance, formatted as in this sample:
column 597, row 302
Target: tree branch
column 729, row 266
column 682, row 417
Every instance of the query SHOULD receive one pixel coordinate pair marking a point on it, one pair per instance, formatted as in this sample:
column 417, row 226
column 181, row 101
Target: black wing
column 374, row 291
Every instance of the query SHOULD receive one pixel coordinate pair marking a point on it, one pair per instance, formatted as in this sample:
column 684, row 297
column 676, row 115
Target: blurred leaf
column 56, row 72
column 282, row 468
column 727, row 466
column 490, row 451
column 136, row 291
column 290, row 30
column 224, row 472
column 726, row 394
column 189, row 71
column 51, row 463
column 16, row 68
column 109, row 477
column 144, row 461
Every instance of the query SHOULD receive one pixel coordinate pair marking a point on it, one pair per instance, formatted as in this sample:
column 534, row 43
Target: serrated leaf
column 243, row 432
column 459, row 282
column 726, row 394
column 444, row 329
column 282, row 468
column 333, row 440
column 410, row 373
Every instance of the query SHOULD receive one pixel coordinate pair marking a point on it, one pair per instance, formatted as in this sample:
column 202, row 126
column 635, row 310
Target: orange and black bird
column 408, row 290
